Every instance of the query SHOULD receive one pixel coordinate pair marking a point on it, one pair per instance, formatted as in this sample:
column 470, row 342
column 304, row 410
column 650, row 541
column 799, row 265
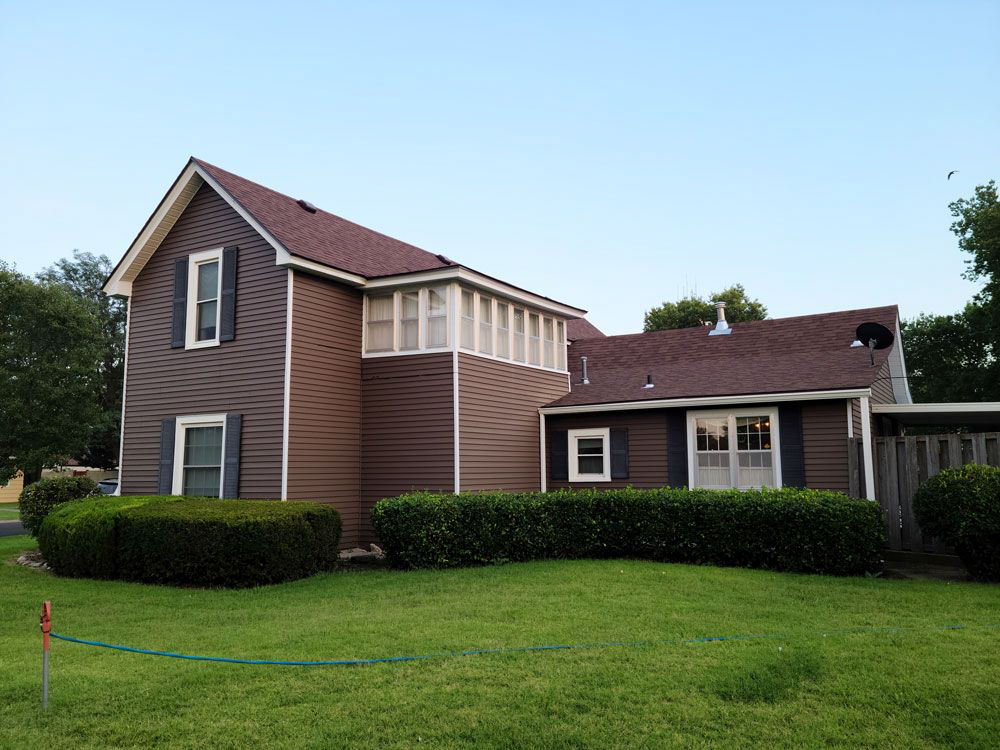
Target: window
column 486, row 325
column 437, row 316
column 560, row 345
column 409, row 320
column 518, row 335
column 589, row 456
column 468, row 320
column 548, row 327
column 735, row 449
column 198, row 456
column 379, row 333
column 503, row 330
column 204, row 290
column 534, row 340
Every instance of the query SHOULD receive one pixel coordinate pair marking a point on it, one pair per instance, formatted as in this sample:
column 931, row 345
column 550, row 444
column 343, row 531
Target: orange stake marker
column 46, row 623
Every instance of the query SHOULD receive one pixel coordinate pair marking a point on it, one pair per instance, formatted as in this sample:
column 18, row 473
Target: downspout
column 866, row 442
column 121, row 431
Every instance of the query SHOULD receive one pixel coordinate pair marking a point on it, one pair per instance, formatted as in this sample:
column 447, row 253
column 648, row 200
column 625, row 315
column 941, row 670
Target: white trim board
column 287, row 396
column 754, row 398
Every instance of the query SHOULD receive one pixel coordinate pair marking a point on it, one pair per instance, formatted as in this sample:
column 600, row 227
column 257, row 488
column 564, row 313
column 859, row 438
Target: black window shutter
column 559, row 455
column 231, row 456
column 165, row 480
column 793, row 471
column 180, row 303
column 227, row 304
column 619, row 453
column 677, row 449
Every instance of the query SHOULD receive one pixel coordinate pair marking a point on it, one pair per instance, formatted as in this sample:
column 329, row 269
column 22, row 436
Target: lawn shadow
column 768, row 674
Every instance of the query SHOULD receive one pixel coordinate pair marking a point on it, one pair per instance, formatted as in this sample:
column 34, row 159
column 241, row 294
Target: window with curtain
column 409, row 320
column 468, row 320
column 379, row 332
column 560, row 345
column 518, row 337
column 534, row 340
column 735, row 450
column 486, row 325
column 437, row 316
column 549, row 347
column 503, row 330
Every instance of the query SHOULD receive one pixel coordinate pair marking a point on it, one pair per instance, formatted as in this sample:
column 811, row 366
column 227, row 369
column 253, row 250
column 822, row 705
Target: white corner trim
column 457, row 422
column 287, row 400
column 753, row 398
column 197, row 420
column 850, row 418
column 867, row 448
column 772, row 414
column 543, row 482
column 121, row 430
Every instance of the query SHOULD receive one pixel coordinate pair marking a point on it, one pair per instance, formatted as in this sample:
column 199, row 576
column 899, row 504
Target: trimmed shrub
column 191, row 541
column 39, row 498
column 962, row 507
column 788, row 529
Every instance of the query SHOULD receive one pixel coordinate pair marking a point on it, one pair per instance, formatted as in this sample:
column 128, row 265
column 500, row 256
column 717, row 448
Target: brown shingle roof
column 804, row 353
column 324, row 237
column 581, row 328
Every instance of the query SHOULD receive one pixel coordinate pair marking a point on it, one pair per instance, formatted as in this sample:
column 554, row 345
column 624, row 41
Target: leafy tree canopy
column 693, row 311
column 84, row 276
column 50, row 349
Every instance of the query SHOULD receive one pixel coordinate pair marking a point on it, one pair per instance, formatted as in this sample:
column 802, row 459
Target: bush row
column 788, row 529
column 38, row 499
column 193, row 541
column 962, row 507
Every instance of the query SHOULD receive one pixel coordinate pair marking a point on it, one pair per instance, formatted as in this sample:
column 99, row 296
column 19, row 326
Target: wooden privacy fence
column 902, row 464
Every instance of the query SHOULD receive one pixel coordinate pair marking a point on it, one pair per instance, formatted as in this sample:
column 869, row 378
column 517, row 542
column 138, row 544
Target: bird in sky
column 954, row 171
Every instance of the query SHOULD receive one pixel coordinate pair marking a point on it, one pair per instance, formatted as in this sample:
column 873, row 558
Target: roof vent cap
column 721, row 327
column 649, row 381
column 306, row 205
column 444, row 259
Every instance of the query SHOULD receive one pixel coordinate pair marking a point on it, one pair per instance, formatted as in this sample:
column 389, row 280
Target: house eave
column 706, row 401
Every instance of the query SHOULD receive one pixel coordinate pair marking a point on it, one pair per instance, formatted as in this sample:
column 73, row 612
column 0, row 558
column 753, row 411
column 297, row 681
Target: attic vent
column 306, row 205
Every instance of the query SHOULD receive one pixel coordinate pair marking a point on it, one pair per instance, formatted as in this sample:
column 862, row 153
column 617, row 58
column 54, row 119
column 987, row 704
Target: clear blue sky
column 609, row 155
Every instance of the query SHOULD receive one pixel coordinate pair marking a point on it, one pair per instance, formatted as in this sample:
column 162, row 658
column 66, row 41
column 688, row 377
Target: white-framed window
column 409, row 320
column 203, row 293
column 560, row 345
column 549, row 344
column 198, row 455
column 378, row 334
column 734, row 448
column 485, row 325
column 518, row 337
column 437, row 316
column 534, row 340
column 503, row 330
column 589, row 455
column 468, row 333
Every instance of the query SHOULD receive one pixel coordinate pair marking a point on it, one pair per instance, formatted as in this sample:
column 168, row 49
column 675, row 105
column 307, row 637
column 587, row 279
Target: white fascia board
column 287, row 260
column 754, row 398
column 478, row 280
column 897, row 370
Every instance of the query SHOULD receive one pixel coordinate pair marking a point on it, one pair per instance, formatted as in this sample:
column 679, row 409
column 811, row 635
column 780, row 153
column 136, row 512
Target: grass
column 917, row 688
column 9, row 512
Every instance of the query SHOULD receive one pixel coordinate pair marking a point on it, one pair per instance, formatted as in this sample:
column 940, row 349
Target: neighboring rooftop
column 803, row 353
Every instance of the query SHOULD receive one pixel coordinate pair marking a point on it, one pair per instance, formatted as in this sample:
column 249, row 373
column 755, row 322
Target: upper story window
column 203, row 293
column 413, row 320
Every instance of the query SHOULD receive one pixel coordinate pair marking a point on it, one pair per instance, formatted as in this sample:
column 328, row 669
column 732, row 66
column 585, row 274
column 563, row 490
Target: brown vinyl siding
column 882, row 387
column 647, row 445
column 824, row 444
column 244, row 376
column 324, row 425
column 498, row 422
column 407, row 429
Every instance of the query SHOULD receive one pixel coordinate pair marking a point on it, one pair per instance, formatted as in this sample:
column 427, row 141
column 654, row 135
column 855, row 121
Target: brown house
column 278, row 351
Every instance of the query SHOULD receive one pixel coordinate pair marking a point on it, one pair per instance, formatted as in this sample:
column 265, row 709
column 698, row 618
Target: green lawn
column 9, row 512
column 916, row 688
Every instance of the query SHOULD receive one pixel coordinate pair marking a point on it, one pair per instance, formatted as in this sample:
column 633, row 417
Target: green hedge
column 962, row 507
column 38, row 499
column 191, row 541
column 788, row 529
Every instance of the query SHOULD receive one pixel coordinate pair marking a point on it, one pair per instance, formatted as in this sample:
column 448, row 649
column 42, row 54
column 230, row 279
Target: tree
column 955, row 357
column 692, row 311
column 50, row 348
column 84, row 277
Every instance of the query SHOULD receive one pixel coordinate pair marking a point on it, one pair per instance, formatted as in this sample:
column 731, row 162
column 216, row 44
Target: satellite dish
column 874, row 335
